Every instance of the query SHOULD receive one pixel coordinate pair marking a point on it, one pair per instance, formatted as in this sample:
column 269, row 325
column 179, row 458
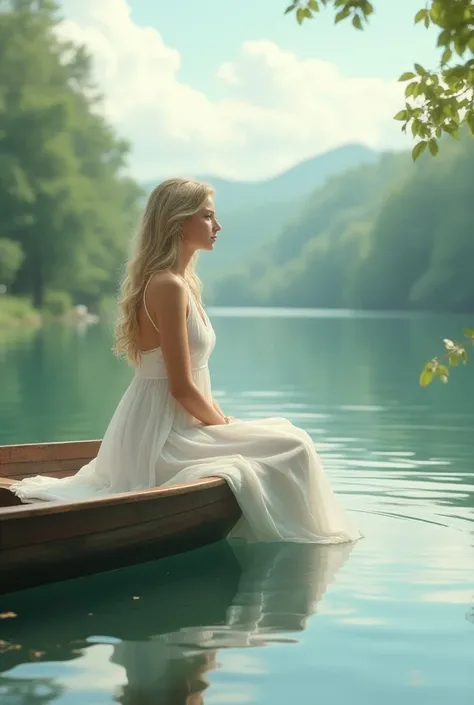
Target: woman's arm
column 217, row 407
column 168, row 299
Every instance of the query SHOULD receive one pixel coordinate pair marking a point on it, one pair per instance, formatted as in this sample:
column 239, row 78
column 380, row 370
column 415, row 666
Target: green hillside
column 390, row 235
column 252, row 213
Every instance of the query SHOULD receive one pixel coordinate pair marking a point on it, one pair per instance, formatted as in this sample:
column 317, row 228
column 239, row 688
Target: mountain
column 392, row 235
column 291, row 184
column 254, row 212
column 310, row 261
column 296, row 181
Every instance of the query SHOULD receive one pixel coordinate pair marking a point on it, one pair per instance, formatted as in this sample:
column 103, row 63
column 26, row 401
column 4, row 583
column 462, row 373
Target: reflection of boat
column 189, row 607
column 43, row 542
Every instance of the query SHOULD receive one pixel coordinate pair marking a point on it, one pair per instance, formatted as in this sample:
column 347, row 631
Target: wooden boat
column 45, row 542
column 134, row 604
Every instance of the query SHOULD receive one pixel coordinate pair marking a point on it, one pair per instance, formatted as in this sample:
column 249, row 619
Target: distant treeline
column 66, row 208
column 390, row 235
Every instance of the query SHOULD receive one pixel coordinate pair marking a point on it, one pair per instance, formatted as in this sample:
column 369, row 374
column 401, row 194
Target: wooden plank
column 28, row 566
column 117, row 498
column 7, row 498
column 38, row 452
column 54, row 468
column 32, row 525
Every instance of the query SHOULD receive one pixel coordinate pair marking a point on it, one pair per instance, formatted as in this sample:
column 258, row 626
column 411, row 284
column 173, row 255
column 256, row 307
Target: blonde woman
column 167, row 427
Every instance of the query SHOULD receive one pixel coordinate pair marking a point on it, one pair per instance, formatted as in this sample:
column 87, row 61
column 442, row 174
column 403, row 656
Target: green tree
column 438, row 101
column 11, row 258
column 63, row 197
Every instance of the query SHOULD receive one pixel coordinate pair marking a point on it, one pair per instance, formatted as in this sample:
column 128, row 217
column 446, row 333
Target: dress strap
column 146, row 308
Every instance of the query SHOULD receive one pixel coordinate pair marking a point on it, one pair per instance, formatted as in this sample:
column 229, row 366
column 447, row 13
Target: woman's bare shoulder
column 167, row 284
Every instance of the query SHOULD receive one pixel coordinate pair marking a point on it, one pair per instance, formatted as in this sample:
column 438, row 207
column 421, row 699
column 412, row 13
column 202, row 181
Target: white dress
column 270, row 465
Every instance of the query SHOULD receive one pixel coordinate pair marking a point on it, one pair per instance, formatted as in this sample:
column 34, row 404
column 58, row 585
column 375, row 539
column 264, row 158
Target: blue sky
column 238, row 89
column 205, row 32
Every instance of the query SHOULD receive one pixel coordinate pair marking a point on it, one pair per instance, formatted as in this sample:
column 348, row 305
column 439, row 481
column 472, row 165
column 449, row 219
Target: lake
column 388, row 620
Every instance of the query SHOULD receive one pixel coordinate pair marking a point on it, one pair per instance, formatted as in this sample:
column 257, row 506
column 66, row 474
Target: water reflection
column 163, row 623
column 400, row 457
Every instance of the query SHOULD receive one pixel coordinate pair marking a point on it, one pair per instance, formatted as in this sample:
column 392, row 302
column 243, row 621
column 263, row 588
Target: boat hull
column 47, row 542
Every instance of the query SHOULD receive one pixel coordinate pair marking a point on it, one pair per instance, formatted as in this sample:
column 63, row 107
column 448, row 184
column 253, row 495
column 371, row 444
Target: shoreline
column 17, row 312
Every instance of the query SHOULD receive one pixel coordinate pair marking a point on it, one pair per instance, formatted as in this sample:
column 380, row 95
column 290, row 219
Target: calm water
column 389, row 620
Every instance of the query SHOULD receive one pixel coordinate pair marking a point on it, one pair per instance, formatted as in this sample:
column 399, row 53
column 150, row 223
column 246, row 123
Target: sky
column 237, row 89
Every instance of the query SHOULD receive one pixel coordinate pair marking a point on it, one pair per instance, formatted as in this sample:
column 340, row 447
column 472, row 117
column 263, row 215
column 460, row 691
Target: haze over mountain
column 253, row 212
column 387, row 235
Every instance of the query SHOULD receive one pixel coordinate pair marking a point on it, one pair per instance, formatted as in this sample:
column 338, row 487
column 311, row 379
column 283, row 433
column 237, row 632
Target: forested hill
column 390, row 235
column 67, row 209
column 347, row 229
column 254, row 212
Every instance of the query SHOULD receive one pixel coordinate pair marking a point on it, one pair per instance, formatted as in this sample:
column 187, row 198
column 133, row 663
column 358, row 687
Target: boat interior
column 53, row 459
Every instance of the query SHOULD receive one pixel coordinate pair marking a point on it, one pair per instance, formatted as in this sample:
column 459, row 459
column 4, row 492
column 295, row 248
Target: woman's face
column 200, row 230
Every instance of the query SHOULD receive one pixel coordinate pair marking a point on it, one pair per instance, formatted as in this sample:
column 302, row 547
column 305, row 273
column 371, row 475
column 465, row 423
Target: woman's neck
column 185, row 257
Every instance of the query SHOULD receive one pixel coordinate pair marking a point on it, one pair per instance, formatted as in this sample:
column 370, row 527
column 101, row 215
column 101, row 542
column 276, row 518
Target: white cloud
column 273, row 108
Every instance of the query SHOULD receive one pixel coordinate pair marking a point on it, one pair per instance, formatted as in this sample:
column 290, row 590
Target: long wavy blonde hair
column 155, row 248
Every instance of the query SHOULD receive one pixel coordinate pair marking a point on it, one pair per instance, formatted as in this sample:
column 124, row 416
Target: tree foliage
column 437, row 100
column 63, row 196
column 387, row 236
column 456, row 353
column 11, row 259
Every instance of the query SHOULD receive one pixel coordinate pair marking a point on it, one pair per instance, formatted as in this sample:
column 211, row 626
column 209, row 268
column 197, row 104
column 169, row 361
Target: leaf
column 290, row 8
column 470, row 122
column 407, row 76
column 367, row 8
column 37, row 654
column 433, row 145
column 402, row 115
column 452, row 129
column 442, row 371
column 468, row 332
column 357, row 22
column 420, row 15
column 443, row 38
column 446, row 56
column 300, row 15
column 307, row 13
column 426, row 376
column 313, row 5
column 453, row 359
column 342, row 15
column 418, row 149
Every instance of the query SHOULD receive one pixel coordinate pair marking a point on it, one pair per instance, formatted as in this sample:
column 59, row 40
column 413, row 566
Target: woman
column 168, row 428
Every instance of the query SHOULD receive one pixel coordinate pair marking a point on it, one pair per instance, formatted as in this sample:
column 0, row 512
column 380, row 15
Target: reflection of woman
column 230, row 595
column 167, row 427
column 181, row 682
column 278, row 591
